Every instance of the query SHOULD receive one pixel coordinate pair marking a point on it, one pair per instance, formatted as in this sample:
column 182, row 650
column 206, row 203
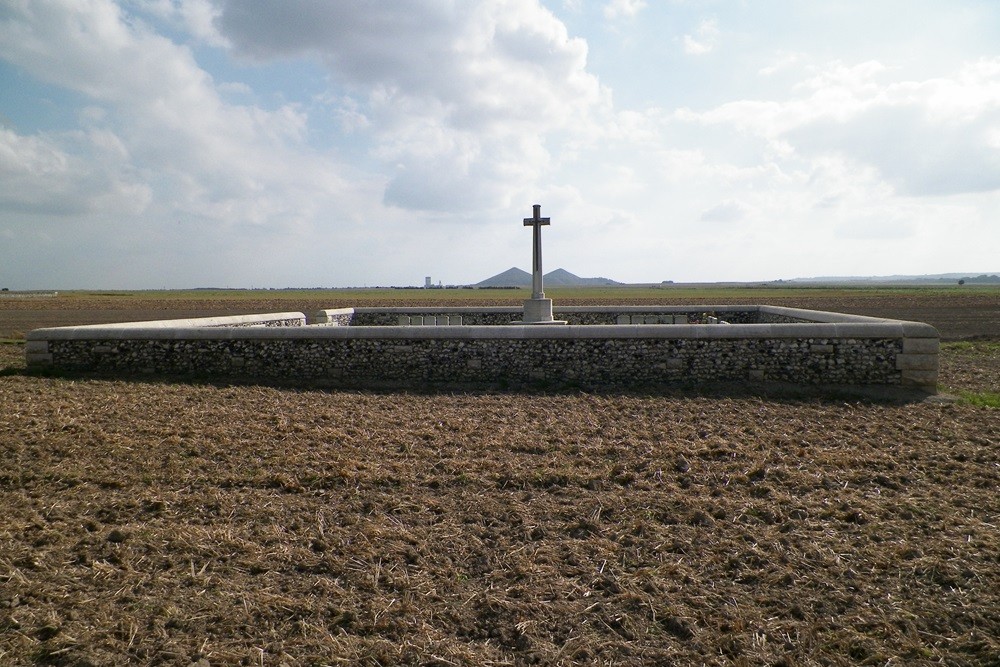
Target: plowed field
column 165, row 523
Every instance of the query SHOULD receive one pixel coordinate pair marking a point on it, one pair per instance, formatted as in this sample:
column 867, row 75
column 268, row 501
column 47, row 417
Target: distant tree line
column 993, row 280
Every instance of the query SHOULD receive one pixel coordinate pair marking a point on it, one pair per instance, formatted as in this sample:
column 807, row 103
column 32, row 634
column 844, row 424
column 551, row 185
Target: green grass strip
column 983, row 399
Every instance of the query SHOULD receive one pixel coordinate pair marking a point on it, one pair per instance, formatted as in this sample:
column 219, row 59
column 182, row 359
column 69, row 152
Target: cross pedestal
column 537, row 309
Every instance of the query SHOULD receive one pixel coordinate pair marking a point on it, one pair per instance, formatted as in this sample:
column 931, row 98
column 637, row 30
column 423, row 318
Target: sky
column 149, row 144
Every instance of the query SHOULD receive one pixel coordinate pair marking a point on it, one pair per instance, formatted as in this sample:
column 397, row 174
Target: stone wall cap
column 223, row 321
column 919, row 330
column 695, row 308
column 822, row 316
column 460, row 310
column 336, row 311
column 417, row 310
column 886, row 329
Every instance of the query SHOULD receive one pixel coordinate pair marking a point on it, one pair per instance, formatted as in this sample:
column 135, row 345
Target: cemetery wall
column 843, row 350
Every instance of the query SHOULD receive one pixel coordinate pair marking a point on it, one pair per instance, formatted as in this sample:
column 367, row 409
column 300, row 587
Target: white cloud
column 723, row 212
column 164, row 168
column 197, row 17
column 930, row 137
column 703, row 40
column 222, row 162
column 461, row 102
column 623, row 8
column 68, row 175
column 783, row 61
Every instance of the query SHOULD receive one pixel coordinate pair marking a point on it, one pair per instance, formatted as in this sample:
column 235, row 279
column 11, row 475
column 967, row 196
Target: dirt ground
column 169, row 523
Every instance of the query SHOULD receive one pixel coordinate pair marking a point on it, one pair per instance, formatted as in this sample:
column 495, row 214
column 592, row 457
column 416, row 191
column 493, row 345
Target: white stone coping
column 814, row 315
column 698, row 308
column 823, row 325
column 884, row 329
column 199, row 322
column 327, row 314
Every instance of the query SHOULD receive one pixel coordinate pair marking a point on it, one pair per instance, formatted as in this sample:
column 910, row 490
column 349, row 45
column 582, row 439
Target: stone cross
column 536, row 258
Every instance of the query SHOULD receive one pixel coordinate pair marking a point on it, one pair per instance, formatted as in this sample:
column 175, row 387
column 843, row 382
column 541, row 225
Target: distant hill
column 915, row 279
column 563, row 278
column 512, row 277
column 515, row 277
column 982, row 279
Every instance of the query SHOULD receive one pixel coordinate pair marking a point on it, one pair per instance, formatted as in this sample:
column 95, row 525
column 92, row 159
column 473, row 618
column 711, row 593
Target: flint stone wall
column 826, row 349
column 585, row 362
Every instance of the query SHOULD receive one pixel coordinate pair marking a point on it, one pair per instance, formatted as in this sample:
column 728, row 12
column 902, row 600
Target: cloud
column 783, row 61
column 848, row 158
column 919, row 156
column 196, row 17
column 727, row 211
column 226, row 163
column 703, row 40
column 623, row 8
column 485, row 63
column 931, row 137
column 76, row 173
column 460, row 99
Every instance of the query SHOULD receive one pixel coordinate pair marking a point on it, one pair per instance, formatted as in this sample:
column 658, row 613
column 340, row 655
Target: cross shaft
column 536, row 221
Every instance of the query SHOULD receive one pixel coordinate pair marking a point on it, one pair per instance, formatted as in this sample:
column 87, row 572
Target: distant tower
column 427, row 282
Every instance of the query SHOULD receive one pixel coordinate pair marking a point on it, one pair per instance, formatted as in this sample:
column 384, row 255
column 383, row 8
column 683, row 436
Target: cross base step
column 539, row 311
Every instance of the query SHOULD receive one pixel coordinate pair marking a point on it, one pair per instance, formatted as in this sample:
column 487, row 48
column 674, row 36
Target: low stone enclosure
column 600, row 347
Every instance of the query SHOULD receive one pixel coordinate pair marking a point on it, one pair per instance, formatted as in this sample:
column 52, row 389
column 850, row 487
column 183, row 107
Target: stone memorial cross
column 536, row 259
